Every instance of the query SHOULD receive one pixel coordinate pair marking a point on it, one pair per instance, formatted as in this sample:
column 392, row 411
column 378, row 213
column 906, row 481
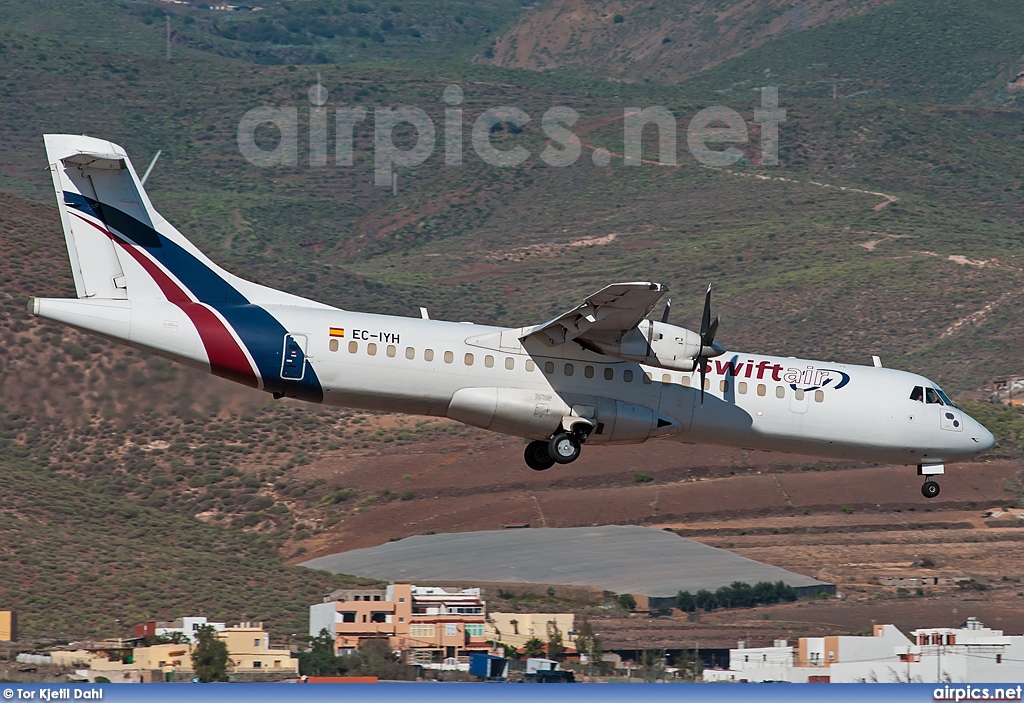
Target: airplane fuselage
column 450, row 369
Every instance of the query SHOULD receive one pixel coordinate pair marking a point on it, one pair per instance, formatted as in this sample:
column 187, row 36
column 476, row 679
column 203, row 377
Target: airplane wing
column 615, row 308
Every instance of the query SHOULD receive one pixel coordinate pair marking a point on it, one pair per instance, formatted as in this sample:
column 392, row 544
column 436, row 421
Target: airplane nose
column 982, row 438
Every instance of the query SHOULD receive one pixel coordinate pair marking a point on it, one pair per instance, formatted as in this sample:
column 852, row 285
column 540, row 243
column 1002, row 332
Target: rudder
column 86, row 169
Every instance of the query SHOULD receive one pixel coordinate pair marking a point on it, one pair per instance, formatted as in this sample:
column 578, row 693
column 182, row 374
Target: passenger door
column 798, row 400
column 293, row 362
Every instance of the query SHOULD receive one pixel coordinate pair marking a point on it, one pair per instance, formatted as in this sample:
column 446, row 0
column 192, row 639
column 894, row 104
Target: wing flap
column 615, row 308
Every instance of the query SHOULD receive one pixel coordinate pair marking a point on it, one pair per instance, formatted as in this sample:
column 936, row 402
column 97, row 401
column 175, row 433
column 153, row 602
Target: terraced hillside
column 642, row 41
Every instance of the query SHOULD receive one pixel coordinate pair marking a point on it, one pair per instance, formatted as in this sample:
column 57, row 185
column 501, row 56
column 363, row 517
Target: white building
column 187, row 627
column 968, row 654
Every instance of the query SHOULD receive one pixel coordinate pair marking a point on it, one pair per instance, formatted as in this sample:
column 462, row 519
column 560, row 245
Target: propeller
column 708, row 329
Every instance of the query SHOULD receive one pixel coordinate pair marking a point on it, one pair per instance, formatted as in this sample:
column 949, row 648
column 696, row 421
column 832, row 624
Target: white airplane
column 602, row 373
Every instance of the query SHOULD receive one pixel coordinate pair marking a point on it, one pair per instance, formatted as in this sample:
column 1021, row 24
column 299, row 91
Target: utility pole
column 168, row 18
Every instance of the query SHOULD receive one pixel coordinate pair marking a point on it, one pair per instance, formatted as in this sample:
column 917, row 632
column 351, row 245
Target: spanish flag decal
column 337, row 331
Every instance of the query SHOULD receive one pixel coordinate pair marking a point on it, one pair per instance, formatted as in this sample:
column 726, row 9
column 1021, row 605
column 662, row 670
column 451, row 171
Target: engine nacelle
column 537, row 415
column 659, row 344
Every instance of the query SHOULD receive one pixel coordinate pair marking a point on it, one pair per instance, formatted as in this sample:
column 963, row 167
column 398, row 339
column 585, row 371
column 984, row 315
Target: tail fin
column 119, row 245
column 84, row 171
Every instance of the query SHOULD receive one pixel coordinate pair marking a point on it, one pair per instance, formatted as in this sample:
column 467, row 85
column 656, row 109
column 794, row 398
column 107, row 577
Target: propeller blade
column 708, row 329
column 703, row 374
column 705, row 320
column 668, row 307
column 712, row 331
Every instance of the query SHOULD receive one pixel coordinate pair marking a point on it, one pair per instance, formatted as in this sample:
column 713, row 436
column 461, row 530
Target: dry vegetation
column 784, row 247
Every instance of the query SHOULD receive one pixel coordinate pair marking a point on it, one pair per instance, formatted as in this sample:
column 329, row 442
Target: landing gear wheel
column 930, row 489
column 537, row 456
column 564, row 448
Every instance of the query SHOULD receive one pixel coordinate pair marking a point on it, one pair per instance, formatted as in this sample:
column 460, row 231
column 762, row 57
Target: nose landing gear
column 930, row 489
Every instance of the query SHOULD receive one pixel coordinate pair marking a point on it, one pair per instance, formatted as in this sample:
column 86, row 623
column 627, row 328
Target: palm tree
column 533, row 648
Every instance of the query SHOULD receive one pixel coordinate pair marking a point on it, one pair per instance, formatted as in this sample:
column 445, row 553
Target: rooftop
column 617, row 558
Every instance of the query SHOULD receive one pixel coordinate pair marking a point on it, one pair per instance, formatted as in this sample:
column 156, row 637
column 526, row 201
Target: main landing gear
column 563, row 448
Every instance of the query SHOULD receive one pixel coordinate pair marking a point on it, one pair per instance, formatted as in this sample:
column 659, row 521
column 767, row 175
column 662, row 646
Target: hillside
column 890, row 227
column 641, row 41
column 921, row 50
column 77, row 562
column 295, row 32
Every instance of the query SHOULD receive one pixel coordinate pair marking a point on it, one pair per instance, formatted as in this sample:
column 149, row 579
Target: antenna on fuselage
column 876, row 361
column 151, row 165
column 424, row 314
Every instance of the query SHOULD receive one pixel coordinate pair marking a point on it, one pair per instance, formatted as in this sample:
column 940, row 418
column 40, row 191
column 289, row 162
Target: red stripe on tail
column 227, row 359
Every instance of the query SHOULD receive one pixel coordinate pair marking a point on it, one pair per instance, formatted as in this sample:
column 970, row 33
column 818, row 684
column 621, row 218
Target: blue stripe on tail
column 259, row 331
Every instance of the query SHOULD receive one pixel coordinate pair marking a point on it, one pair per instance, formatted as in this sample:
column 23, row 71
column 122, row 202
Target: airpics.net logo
column 710, row 134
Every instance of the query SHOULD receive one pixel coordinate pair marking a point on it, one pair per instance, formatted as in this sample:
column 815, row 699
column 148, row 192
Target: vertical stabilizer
column 119, row 245
column 87, row 170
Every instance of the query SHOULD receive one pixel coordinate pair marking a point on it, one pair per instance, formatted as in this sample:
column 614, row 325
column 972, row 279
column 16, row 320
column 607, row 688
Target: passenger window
column 469, row 359
column 353, row 347
column 333, row 345
column 646, row 378
column 588, row 371
column 741, row 387
column 761, row 389
column 627, row 376
column 798, row 394
column 371, row 349
column 449, row 357
column 410, row 353
column 780, row 391
column 707, row 384
column 686, row 381
column 530, row 366
column 392, row 350
column 666, row 379
column 819, row 396
column 917, row 394
column 609, row 373
column 723, row 386
column 510, row 363
column 549, row 367
column 489, row 361
column 930, row 396
column 569, row 370
column 428, row 354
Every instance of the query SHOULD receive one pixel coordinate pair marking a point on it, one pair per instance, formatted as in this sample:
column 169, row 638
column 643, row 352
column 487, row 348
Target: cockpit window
column 945, row 398
column 934, row 396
